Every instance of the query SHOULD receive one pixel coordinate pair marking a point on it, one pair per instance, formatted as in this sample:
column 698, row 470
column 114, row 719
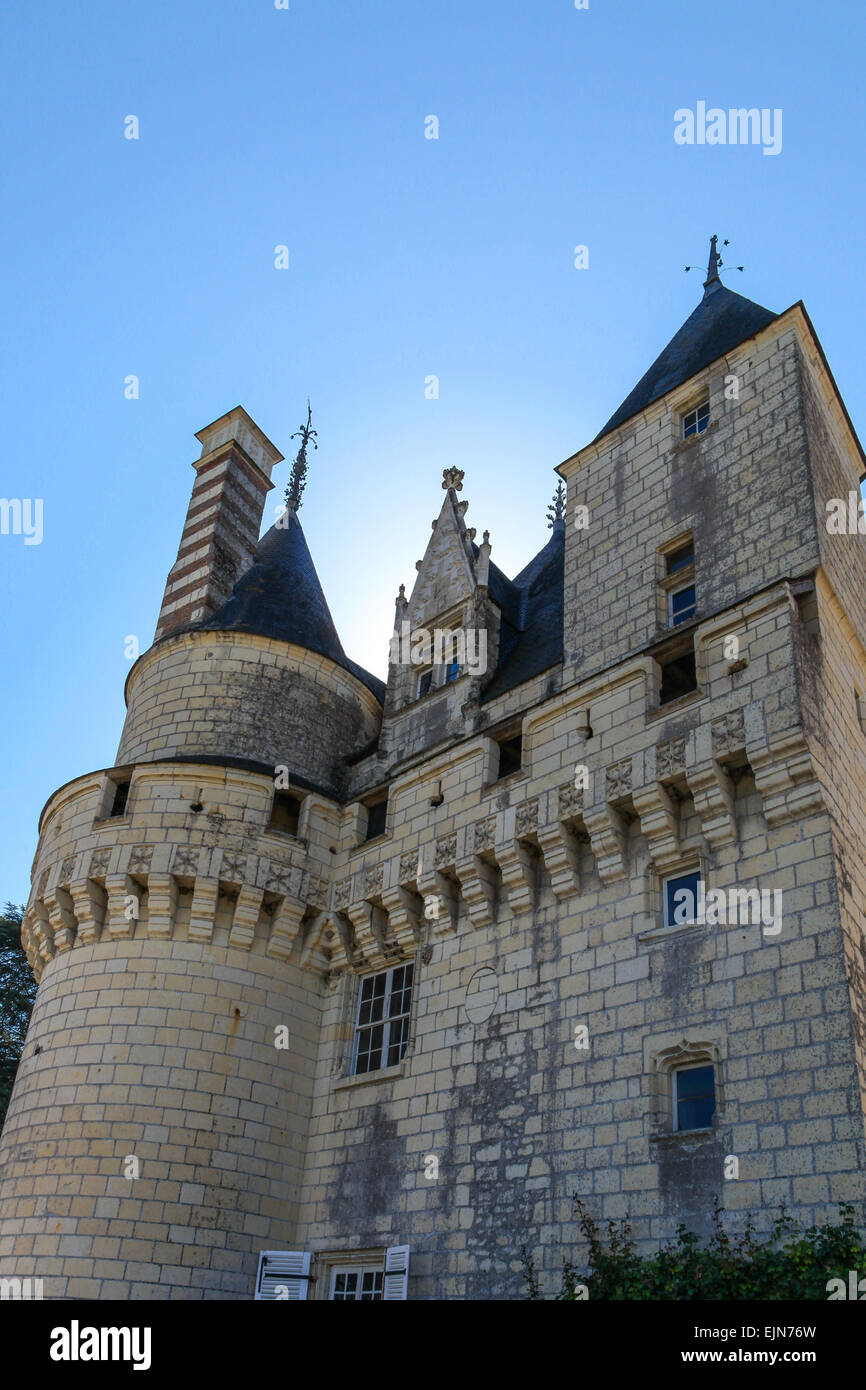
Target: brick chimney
column 233, row 478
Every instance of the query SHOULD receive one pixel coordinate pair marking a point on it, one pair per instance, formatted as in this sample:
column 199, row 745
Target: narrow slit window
column 119, row 799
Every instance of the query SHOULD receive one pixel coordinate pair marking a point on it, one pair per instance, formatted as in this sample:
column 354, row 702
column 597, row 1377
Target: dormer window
column 696, row 421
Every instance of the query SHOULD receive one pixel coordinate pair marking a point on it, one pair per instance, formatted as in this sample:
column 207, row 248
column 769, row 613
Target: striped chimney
column 221, row 532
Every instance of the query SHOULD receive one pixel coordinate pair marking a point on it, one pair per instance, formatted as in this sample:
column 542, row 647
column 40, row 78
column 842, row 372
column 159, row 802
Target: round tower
column 156, row 1136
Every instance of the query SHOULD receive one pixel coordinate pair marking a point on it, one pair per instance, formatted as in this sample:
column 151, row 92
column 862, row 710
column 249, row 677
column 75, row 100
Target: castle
column 348, row 988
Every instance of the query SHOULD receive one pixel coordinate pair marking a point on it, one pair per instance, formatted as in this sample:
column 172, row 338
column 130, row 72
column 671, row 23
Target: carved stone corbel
column 285, row 926
column 367, row 923
column 659, row 823
column 61, row 920
column 435, row 885
column 161, row 905
column 712, row 791
column 404, row 909
column 245, row 919
column 203, row 909
column 607, row 836
column 121, row 911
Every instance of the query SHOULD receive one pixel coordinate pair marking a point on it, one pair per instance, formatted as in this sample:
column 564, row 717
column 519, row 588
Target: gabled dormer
column 446, row 633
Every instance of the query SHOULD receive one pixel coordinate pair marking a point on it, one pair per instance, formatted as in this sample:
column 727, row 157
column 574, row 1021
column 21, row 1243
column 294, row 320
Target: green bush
column 793, row 1262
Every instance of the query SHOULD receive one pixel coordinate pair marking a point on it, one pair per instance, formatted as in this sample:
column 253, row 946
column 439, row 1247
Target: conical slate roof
column 280, row 597
column 721, row 321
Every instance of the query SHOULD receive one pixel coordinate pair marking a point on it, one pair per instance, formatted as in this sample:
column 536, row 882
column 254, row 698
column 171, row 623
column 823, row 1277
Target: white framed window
column 693, row 1092
column 696, row 421
column 370, row 1276
column 382, row 1019
column 681, row 605
column 680, row 898
column 363, row 1285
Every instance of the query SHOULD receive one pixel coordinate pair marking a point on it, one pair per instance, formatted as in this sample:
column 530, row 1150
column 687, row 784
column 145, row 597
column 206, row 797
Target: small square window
column 681, row 898
column 681, row 605
column 285, row 813
column 696, row 421
column 382, row 1023
column 679, row 676
column 694, row 1097
column 425, row 680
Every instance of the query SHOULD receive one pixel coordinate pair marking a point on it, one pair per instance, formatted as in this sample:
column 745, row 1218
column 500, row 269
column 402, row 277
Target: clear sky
column 409, row 257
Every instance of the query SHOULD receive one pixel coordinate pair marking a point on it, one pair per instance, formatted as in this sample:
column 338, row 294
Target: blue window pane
column 696, row 1097
column 683, row 605
column 694, row 1081
column 681, row 899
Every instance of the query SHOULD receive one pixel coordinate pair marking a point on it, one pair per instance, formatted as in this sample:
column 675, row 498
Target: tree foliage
column 793, row 1262
column 17, row 992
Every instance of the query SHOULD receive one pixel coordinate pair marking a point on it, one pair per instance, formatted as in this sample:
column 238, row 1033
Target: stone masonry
column 177, row 937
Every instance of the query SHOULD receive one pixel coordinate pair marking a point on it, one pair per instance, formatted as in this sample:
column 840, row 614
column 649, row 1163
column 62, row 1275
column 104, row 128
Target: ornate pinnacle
column 298, row 480
column 453, row 477
column 556, row 510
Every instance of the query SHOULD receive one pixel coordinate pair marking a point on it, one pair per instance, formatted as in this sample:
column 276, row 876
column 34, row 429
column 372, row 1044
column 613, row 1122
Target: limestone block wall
column 744, row 481
column 236, row 695
column 557, row 892
column 168, row 943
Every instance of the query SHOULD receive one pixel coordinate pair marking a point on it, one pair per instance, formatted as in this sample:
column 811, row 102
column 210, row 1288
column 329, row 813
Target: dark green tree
column 17, row 992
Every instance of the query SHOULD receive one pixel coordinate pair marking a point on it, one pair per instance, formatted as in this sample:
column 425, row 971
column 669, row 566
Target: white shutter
column 396, row 1272
column 283, row 1275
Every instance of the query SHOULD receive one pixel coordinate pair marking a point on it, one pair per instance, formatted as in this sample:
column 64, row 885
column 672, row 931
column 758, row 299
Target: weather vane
column 298, row 480
column 716, row 262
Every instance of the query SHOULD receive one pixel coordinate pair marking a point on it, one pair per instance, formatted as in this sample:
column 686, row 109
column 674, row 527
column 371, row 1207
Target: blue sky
column 408, row 257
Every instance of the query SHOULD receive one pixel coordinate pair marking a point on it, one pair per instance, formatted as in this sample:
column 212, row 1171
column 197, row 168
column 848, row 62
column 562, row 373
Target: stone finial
column 401, row 603
column 482, row 567
column 556, row 510
column 453, row 477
